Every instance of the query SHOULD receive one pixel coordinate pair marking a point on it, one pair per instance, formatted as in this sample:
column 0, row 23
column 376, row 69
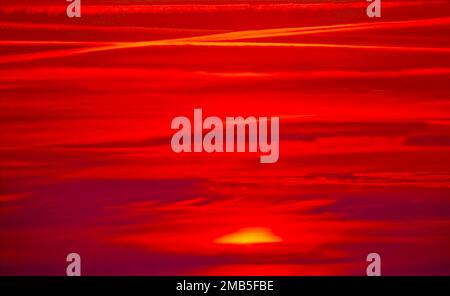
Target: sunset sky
column 86, row 164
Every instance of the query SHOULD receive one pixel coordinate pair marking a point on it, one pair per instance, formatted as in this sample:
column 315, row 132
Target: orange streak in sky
column 200, row 40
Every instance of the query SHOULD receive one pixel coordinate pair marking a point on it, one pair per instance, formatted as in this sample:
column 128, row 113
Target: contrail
column 226, row 40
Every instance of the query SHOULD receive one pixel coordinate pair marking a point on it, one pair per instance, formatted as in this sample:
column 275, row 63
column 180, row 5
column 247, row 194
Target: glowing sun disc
column 251, row 235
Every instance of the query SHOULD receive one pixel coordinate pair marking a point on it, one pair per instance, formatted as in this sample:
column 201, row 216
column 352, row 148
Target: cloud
column 206, row 7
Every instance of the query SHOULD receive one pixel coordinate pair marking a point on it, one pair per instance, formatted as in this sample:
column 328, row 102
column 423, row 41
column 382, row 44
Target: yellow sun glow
column 251, row 235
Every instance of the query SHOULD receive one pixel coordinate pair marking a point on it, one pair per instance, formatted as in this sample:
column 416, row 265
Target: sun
column 249, row 235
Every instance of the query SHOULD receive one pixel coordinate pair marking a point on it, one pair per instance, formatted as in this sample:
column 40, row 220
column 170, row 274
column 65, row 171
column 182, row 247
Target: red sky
column 86, row 164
